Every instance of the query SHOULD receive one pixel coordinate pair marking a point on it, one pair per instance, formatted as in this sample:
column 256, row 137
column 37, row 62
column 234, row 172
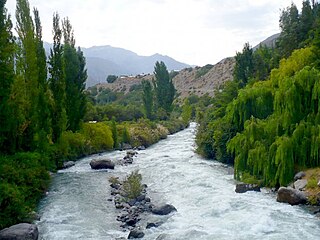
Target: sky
column 195, row 32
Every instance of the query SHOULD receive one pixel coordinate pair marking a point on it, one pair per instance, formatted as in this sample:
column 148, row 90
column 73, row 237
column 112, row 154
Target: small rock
column 141, row 197
column 151, row 225
column 131, row 153
column 22, row 231
column 319, row 183
column 300, row 184
column 68, row 164
column 101, row 164
column 141, row 148
column 136, row 233
column 163, row 210
column 126, row 146
column 299, row 175
column 243, row 187
column 291, row 196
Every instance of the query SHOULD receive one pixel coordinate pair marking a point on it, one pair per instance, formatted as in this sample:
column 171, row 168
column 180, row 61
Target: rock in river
column 299, row 175
column 243, row 187
column 300, row 184
column 163, row 210
column 101, row 164
column 136, row 233
column 291, row 196
column 21, row 231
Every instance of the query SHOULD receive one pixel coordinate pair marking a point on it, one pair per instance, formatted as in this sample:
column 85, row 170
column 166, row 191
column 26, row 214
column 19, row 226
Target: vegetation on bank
column 266, row 121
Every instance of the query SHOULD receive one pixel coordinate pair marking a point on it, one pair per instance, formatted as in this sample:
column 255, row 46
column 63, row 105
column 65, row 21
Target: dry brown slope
column 186, row 81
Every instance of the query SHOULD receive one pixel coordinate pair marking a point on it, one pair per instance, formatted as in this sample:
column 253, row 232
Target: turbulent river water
column 76, row 206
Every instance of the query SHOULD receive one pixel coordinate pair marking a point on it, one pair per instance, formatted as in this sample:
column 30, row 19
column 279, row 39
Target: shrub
column 98, row 137
column 132, row 186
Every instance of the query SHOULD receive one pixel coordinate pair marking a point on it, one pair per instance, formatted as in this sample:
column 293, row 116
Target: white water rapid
column 76, row 206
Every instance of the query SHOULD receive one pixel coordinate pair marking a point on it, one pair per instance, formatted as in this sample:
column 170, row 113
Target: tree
column 114, row 133
column 289, row 25
column 43, row 134
column 6, row 77
column 147, row 98
column 76, row 76
column 29, row 72
column 163, row 86
column 111, row 78
column 244, row 67
column 57, row 81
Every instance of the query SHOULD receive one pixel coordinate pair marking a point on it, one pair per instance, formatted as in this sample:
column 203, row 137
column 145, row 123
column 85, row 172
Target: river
column 76, row 206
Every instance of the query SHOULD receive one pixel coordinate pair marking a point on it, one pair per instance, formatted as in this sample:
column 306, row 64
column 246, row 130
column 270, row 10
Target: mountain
column 107, row 60
column 269, row 42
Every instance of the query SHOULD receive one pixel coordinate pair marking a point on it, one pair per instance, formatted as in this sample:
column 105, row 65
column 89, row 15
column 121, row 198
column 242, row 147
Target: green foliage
column 203, row 70
column 6, row 78
column 186, row 112
column 114, row 133
column 132, row 185
column 23, row 187
column 147, row 98
column 57, row 82
column 163, row 87
column 111, row 78
column 98, row 137
column 243, row 70
column 312, row 183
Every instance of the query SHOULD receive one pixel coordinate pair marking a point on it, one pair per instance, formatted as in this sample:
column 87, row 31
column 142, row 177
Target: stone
column 136, row 233
column 300, row 184
column 68, row 164
column 291, row 196
column 21, row 231
column 101, row 164
column 131, row 153
column 319, row 183
column 162, row 236
column 163, row 210
column 141, row 148
column 299, row 175
column 126, row 146
column 152, row 224
column 243, row 187
column 141, row 197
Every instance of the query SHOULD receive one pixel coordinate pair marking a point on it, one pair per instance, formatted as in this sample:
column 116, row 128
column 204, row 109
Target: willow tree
column 6, row 77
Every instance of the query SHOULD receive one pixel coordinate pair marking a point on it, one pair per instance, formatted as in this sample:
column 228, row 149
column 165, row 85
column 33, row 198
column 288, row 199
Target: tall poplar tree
column 57, row 82
column 75, row 78
column 163, row 86
column 44, row 119
column 29, row 71
column 6, row 76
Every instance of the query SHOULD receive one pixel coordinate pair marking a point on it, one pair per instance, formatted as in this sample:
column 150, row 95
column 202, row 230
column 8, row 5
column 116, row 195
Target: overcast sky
column 196, row 32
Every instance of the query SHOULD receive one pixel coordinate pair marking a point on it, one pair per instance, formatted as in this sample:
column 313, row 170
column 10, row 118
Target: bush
column 132, row 186
column 23, row 181
column 111, row 78
column 98, row 137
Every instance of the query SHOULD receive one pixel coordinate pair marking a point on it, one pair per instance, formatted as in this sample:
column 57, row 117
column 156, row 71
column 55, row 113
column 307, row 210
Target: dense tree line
column 266, row 121
column 42, row 106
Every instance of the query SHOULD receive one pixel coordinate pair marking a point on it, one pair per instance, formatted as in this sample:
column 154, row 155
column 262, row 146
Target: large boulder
column 163, row 210
column 299, row 175
column 22, row 231
column 243, row 187
column 300, row 184
column 101, row 164
column 291, row 196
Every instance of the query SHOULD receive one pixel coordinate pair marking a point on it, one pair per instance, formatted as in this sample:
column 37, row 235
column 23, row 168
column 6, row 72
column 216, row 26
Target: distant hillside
column 198, row 80
column 269, row 42
column 106, row 60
